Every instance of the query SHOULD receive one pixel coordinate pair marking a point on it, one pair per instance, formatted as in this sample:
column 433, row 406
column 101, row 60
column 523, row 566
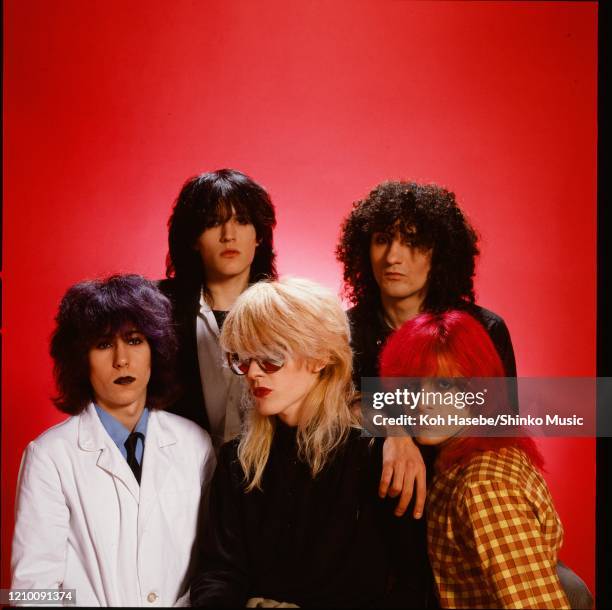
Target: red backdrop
column 109, row 106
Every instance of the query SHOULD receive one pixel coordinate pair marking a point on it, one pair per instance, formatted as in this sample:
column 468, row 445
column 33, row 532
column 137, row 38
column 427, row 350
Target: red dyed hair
column 451, row 343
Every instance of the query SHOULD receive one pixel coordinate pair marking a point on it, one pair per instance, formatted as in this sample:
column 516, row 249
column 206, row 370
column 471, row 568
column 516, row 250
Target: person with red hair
column 493, row 533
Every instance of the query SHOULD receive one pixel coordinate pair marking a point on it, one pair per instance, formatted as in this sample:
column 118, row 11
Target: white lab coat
column 84, row 523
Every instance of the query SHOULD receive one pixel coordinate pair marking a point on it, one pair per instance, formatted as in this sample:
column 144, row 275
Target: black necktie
column 130, row 446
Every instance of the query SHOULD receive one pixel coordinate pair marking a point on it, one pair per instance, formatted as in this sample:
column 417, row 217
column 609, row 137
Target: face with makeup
column 227, row 249
column 282, row 392
column 400, row 268
column 119, row 370
column 444, row 400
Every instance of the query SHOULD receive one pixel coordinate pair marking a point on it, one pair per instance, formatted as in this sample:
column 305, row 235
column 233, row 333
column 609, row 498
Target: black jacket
column 369, row 333
column 323, row 542
column 185, row 306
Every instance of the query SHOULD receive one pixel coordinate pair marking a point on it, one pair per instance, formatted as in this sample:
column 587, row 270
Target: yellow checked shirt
column 494, row 535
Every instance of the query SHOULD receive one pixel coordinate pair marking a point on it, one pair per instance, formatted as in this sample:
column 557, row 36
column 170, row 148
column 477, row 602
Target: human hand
column 403, row 471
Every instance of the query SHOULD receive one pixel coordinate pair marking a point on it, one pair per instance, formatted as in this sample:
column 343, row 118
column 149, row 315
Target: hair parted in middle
column 428, row 217
column 294, row 318
column 208, row 200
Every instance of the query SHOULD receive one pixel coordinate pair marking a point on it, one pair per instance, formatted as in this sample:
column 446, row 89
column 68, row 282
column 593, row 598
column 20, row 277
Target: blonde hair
column 294, row 318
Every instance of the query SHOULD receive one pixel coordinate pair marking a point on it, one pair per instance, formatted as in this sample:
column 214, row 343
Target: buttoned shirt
column 223, row 391
column 119, row 433
column 494, row 535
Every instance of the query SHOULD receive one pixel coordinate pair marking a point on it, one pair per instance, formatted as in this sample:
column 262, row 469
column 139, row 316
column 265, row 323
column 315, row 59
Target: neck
column 127, row 415
column 289, row 419
column 398, row 311
column 224, row 291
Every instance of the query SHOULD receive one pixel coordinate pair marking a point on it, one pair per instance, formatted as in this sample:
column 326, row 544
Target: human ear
column 316, row 366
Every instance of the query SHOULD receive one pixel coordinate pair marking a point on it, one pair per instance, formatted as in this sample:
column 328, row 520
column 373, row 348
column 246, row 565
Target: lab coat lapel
column 156, row 464
column 93, row 437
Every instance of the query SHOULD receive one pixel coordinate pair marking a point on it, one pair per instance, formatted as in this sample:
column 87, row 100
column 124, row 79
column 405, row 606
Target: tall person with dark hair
column 408, row 248
column 108, row 500
column 220, row 241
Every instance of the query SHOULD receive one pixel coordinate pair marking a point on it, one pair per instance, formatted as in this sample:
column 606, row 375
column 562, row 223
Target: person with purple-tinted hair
column 108, row 500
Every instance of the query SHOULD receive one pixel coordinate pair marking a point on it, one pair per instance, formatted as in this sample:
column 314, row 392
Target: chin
column 398, row 292
column 267, row 410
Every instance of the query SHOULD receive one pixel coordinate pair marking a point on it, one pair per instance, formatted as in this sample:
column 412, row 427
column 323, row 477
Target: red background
column 109, row 106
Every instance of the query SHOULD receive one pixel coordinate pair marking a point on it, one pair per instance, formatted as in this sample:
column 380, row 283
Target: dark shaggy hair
column 207, row 200
column 95, row 309
column 428, row 217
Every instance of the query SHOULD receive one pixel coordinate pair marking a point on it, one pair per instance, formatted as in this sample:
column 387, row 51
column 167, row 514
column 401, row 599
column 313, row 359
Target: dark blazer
column 185, row 306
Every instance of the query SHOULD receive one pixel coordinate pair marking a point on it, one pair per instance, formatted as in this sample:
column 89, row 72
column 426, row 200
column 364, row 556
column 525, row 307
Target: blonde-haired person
column 294, row 513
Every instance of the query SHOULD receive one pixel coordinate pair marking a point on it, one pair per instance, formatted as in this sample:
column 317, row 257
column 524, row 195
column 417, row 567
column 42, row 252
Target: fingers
column 385, row 480
column 406, row 496
column 421, row 493
column 397, row 485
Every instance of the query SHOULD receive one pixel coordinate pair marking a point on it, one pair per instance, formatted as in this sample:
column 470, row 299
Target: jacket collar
column 93, row 437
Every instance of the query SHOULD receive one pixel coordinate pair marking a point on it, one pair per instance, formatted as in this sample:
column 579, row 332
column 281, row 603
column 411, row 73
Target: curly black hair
column 428, row 217
column 210, row 199
column 94, row 309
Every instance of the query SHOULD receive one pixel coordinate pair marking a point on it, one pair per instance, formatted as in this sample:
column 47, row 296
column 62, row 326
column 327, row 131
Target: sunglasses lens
column 241, row 367
column 270, row 366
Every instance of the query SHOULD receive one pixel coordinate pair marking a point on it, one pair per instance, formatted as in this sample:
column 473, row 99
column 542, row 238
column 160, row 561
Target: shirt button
column 152, row 597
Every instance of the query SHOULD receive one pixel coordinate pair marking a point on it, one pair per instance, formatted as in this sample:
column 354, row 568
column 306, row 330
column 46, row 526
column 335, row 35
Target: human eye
column 104, row 344
column 241, row 219
column 444, row 384
column 136, row 339
column 380, row 239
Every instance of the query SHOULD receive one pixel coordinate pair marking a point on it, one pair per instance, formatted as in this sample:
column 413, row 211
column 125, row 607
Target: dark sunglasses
column 241, row 366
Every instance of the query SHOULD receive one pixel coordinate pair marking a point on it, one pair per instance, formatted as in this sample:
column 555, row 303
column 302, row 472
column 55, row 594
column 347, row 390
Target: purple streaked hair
column 94, row 309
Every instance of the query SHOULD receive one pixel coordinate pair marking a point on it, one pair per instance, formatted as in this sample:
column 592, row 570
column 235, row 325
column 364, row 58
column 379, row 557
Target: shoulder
column 365, row 324
column 361, row 450
column 489, row 319
column 188, row 432
column 359, row 314
column 228, row 454
column 53, row 450
column 61, row 435
column 507, row 466
column 229, row 473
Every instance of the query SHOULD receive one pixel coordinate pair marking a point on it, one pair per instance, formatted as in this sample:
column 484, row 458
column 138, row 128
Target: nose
column 228, row 231
column 254, row 371
column 394, row 252
column 120, row 355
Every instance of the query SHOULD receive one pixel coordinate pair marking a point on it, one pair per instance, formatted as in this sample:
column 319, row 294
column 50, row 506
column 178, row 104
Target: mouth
column 124, row 380
column 230, row 253
column 393, row 275
column 261, row 392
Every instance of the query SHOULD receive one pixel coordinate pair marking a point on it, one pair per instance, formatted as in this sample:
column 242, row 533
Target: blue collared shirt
column 119, row 433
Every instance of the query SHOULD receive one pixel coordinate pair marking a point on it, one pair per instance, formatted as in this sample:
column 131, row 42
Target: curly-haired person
column 407, row 248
